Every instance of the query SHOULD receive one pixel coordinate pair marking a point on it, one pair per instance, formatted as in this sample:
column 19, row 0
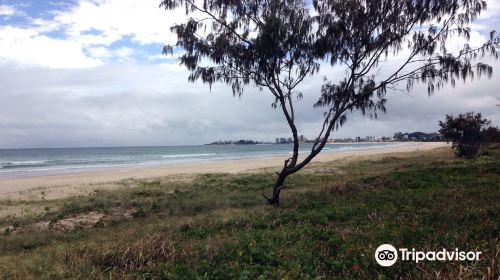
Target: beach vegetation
column 468, row 132
column 276, row 45
column 214, row 226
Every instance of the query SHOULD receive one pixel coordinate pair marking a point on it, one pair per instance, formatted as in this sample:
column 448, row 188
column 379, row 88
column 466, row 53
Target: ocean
column 44, row 161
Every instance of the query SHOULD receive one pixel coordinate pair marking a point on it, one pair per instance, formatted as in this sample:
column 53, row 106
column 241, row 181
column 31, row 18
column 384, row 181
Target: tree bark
column 291, row 166
column 274, row 200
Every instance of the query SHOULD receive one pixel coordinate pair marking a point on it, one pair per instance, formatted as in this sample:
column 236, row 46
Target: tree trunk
column 278, row 186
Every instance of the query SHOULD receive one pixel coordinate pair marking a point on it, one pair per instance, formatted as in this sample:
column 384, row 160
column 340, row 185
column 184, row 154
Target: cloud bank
column 90, row 73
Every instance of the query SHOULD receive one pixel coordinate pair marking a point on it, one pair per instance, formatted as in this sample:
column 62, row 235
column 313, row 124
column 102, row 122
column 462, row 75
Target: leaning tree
column 277, row 44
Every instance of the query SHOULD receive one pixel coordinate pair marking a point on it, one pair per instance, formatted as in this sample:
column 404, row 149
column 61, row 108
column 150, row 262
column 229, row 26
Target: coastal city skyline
column 398, row 136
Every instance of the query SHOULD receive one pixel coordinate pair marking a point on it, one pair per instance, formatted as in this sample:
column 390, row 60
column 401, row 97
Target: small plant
column 130, row 256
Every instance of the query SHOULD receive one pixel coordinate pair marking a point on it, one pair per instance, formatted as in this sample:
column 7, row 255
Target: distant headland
column 238, row 142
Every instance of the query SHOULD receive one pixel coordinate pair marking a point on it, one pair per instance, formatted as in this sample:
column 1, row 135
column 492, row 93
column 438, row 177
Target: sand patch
column 83, row 183
column 84, row 220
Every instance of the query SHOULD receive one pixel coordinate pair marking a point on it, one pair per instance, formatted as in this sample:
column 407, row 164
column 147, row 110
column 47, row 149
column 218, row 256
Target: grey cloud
column 133, row 104
column 128, row 104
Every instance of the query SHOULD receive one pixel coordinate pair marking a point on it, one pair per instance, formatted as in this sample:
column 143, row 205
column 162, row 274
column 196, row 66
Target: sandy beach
column 57, row 186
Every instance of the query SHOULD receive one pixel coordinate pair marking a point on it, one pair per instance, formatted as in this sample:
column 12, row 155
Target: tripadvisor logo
column 387, row 255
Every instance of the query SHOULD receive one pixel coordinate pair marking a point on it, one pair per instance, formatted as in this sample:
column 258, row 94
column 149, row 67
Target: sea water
column 40, row 161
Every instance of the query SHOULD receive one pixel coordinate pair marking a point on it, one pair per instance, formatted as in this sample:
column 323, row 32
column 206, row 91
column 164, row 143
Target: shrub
column 464, row 132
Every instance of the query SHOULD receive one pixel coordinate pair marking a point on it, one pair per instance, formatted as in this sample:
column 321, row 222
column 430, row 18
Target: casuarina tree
column 276, row 45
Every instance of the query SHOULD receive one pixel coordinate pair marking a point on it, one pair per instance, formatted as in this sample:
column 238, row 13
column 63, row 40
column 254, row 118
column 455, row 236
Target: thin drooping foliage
column 275, row 45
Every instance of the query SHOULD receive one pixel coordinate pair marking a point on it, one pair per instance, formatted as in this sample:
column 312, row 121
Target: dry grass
column 215, row 226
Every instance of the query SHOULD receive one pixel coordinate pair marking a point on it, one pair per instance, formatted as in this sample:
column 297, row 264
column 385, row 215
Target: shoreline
column 84, row 181
column 156, row 164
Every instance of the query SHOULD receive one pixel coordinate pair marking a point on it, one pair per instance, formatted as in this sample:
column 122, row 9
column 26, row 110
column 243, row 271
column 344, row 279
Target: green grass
column 333, row 216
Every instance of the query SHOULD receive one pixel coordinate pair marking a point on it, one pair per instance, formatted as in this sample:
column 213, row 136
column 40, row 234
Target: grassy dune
column 215, row 226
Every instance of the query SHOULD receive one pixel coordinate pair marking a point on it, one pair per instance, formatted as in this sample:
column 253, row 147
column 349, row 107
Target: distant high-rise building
column 398, row 136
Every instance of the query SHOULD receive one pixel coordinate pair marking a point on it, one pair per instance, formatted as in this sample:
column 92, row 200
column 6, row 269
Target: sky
column 82, row 73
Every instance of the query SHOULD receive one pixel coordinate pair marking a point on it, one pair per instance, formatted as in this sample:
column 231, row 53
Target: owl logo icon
column 386, row 255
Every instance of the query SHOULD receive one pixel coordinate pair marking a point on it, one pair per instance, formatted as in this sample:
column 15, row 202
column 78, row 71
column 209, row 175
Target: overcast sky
column 90, row 73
